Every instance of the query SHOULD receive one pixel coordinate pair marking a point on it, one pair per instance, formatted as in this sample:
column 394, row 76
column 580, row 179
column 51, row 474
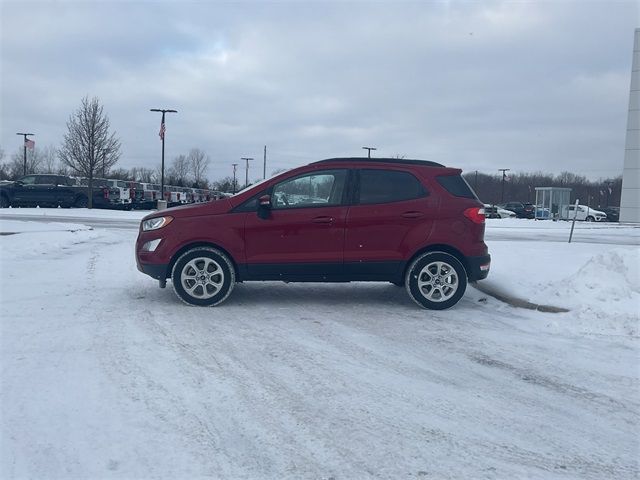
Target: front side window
column 310, row 190
column 387, row 186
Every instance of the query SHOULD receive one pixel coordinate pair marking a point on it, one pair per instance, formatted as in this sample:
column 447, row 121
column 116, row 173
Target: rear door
column 392, row 211
column 65, row 191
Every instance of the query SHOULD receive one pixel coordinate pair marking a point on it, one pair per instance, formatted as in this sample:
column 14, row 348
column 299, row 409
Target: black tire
column 81, row 202
column 4, row 201
column 203, row 276
column 436, row 280
column 590, row 219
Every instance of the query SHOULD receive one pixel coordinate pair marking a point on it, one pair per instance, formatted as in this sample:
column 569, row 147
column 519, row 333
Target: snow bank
column 75, row 212
column 599, row 284
column 604, row 293
column 28, row 239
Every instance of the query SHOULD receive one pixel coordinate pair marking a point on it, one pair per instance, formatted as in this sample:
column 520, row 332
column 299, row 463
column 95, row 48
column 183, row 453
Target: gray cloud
column 527, row 86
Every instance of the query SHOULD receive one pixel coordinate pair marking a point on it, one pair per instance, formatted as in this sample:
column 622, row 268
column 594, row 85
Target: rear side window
column 387, row 186
column 456, row 186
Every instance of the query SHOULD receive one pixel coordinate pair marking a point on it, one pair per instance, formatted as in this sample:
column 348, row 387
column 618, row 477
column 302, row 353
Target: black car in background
column 522, row 210
column 613, row 213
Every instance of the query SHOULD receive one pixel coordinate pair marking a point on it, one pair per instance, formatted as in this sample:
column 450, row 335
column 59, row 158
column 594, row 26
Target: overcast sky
column 477, row 85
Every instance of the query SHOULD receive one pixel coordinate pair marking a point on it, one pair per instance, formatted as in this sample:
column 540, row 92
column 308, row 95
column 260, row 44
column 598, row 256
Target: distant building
column 630, row 200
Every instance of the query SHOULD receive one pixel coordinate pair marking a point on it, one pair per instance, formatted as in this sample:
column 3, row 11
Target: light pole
column 246, row 177
column 104, row 154
column 162, row 131
column 235, row 166
column 504, row 176
column 25, row 150
column 368, row 149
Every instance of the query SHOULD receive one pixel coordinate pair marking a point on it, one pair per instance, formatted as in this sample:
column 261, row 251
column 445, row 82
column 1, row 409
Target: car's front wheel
column 436, row 280
column 203, row 276
column 590, row 219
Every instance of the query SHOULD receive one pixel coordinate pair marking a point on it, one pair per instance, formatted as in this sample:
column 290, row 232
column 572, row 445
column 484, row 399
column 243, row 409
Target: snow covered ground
column 104, row 375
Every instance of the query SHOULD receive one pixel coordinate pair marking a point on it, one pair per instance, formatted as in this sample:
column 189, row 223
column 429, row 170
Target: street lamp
column 105, row 152
column 235, row 166
column 246, row 177
column 368, row 149
column 25, row 135
column 504, row 176
column 162, row 132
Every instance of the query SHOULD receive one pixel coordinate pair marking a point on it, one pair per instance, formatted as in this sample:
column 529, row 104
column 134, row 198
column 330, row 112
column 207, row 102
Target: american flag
column 30, row 144
column 162, row 128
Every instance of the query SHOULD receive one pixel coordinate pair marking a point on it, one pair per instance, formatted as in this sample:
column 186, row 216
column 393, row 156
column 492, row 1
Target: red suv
column 410, row 222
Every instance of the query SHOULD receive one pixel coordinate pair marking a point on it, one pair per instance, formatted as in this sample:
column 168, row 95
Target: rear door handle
column 323, row 220
column 412, row 214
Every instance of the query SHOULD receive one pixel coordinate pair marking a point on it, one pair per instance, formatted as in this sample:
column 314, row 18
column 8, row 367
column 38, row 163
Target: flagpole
column 162, row 134
column 25, row 150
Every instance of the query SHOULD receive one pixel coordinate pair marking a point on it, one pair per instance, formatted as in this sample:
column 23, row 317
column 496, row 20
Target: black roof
column 400, row 161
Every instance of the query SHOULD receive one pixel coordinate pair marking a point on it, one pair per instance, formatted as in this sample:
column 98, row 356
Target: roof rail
column 425, row 163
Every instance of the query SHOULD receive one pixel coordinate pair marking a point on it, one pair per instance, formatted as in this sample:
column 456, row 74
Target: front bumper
column 154, row 270
column 478, row 267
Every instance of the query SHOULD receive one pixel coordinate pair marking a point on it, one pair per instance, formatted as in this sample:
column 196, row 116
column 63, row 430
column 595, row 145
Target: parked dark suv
column 410, row 222
column 522, row 210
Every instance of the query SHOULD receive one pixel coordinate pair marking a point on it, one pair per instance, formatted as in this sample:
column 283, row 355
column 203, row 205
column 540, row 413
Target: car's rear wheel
column 436, row 280
column 203, row 276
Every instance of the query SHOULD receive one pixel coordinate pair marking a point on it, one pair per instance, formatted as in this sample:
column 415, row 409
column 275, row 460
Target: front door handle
column 412, row 214
column 323, row 220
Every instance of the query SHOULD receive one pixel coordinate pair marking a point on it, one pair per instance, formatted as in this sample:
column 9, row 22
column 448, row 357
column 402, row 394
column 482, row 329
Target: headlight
column 156, row 223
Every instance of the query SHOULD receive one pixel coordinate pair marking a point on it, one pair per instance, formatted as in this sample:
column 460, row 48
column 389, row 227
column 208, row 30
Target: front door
column 34, row 190
column 303, row 237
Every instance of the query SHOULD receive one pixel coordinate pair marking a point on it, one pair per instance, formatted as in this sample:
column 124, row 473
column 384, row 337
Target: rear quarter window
column 387, row 186
column 456, row 186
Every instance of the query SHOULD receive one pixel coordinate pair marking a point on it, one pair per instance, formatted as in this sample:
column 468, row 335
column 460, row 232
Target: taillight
column 475, row 214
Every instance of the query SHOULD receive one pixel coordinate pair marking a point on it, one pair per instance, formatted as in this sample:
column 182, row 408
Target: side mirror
column 18, row 183
column 264, row 206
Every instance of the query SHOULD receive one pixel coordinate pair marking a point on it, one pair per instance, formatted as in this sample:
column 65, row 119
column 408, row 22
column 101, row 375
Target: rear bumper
column 478, row 267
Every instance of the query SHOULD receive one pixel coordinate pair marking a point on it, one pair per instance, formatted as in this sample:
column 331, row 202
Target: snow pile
column 604, row 294
column 27, row 239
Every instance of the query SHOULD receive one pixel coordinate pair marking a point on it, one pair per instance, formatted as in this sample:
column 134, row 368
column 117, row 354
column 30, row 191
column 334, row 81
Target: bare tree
column 88, row 147
column 120, row 174
column 224, row 185
column 4, row 173
column 199, row 163
column 179, row 171
column 49, row 158
column 142, row 174
column 15, row 167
